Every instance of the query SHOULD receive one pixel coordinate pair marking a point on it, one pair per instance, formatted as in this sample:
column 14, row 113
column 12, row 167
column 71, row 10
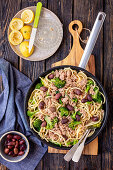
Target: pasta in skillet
column 63, row 105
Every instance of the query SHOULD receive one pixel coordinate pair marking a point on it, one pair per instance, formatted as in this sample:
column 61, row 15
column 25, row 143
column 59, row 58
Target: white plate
column 49, row 35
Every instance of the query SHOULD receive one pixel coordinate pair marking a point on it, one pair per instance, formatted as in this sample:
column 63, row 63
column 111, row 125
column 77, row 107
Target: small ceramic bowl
column 10, row 158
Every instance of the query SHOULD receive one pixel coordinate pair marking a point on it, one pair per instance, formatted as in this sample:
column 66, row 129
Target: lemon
column 16, row 24
column 15, row 37
column 24, row 48
column 26, row 31
column 27, row 16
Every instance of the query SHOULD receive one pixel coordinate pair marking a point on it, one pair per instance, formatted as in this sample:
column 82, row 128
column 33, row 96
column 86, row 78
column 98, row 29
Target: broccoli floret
column 55, row 120
column 96, row 90
column 50, row 123
column 89, row 83
column 73, row 116
column 63, row 111
column 58, row 83
column 37, row 124
column 75, row 100
column 73, row 124
column 72, row 142
column 38, row 86
column 97, row 96
column 87, row 88
column 75, row 141
column 78, row 113
column 30, row 114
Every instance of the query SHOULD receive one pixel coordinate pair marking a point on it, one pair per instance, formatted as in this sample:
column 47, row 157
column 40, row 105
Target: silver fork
column 71, row 152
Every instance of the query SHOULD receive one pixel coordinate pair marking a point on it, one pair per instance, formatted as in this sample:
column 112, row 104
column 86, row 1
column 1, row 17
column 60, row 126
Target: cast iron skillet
column 105, row 106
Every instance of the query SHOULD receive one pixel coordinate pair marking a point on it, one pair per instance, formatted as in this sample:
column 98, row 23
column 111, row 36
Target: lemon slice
column 15, row 37
column 24, row 48
column 27, row 16
column 16, row 24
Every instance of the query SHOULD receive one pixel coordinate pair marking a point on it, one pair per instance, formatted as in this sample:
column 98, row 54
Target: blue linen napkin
column 12, row 98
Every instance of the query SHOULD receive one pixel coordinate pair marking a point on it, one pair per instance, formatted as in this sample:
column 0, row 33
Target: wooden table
column 68, row 10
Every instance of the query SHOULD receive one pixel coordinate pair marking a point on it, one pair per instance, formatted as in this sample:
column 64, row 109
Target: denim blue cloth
column 12, row 117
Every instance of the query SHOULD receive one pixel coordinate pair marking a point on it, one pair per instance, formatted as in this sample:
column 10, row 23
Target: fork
column 71, row 152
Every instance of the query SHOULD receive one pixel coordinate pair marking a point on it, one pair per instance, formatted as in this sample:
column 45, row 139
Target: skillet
column 89, row 47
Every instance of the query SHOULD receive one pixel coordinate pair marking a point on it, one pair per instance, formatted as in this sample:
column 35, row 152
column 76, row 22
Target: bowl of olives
column 14, row 146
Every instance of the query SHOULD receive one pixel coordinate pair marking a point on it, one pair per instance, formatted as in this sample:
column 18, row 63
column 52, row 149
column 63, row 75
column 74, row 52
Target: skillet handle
column 92, row 39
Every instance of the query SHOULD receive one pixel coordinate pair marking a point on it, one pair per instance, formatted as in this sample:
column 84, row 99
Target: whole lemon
column 26, row 31
column 24, row 48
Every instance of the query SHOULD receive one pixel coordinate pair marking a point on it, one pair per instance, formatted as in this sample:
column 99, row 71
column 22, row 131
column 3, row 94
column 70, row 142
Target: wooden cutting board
column 74, row 58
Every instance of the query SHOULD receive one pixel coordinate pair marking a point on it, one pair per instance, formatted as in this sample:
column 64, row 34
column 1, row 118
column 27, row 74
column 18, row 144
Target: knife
column 35, row 25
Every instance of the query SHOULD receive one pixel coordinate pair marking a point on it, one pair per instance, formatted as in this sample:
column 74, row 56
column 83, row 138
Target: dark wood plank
column 86, row 12
column 107, row 135
column 6, row 14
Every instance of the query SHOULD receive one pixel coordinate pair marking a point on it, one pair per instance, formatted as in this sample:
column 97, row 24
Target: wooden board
column 74, row 58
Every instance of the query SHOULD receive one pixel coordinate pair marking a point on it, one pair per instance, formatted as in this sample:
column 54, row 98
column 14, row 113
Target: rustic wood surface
column 68, row 10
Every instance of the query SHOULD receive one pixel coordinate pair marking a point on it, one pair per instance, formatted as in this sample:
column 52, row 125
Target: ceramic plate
column 48, row 38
